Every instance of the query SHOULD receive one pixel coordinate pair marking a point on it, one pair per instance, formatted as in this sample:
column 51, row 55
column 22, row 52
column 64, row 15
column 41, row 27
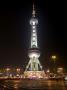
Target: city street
column 34, row 84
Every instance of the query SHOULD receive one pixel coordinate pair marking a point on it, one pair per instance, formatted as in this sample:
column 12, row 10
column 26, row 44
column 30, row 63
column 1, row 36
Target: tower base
column 34, row 74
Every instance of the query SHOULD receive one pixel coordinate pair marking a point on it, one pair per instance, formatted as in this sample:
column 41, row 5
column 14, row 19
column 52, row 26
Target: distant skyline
column 15, row 32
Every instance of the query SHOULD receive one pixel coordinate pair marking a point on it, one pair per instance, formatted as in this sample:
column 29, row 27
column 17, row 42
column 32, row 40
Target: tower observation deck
column 34, row 68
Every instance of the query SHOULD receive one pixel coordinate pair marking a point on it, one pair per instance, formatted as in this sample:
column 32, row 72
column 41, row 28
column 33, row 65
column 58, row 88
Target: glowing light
column 65, row 78
column 33, row 23
column 54, row 57
column 48, row 71
column 18, row 69
column 7, row 69
column 34, row 34
column 33, row 43
column 15, row 86
column 33, row 27
column 59, row 70
column 33, row 30
column 34, row 55
column 34, row 38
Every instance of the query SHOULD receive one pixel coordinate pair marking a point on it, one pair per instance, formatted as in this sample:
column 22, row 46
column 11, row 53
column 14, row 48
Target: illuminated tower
column 34, row 68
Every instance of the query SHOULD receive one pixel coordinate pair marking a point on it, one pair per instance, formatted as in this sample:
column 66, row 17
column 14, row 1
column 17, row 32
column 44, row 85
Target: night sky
column 15, row 32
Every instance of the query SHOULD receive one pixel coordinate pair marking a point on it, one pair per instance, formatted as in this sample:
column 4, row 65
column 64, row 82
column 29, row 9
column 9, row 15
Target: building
column 34, row 67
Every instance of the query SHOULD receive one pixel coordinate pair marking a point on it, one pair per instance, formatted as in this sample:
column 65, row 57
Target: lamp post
column 7, row 71
column 18, row 72
column 54, row 59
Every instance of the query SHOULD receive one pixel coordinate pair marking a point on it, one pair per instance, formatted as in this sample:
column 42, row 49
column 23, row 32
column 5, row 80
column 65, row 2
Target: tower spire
column 33, row 13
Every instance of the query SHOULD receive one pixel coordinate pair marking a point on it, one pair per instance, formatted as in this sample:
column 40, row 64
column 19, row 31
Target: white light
column 48, row 71
column 34, row 34
column 33, row 26
column 7, row 69
column 34, row 38
column 33, row 30
column 34, row 55
column 65, row 78
column 33, row 23
column 54, row 57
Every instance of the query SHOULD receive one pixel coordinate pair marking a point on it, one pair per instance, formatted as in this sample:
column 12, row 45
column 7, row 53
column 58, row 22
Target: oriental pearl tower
column 34, row 67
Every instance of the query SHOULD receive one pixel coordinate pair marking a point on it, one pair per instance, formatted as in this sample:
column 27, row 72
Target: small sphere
column 33, row 21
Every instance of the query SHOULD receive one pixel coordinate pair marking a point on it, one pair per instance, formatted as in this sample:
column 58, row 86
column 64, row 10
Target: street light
column 18, row 72
column 18, row 69
column 54, row 59
column 7, row 71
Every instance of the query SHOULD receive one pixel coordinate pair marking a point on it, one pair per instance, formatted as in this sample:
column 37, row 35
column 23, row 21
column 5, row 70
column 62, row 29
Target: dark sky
column 15, row 32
